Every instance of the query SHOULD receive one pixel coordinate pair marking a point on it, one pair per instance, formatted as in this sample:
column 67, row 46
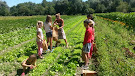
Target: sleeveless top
column 59, row 22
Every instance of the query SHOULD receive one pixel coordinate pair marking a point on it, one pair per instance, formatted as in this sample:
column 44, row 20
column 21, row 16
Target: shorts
column 86, row 48
column 49, row 34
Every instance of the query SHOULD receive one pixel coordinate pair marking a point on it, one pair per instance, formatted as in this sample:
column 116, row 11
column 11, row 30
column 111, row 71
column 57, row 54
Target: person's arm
column 24, row 64
column 62, row 24
column 51, row 26
column 38, row 36
column 85, row 38
column 34, row 64
column 43, row 27
column 55, row 23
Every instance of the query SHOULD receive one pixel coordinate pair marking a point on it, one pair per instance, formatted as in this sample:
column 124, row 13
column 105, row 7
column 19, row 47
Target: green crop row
column 12, row 24
column 9, row 61
column 27, row 49
column 45, row 64
column 59, row 66
column 111, row 38
column 128, row 18
column 13, row 38
column 6, row 56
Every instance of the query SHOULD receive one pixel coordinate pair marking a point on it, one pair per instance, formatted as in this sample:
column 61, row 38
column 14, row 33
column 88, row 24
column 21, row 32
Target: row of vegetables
column 20, row 53
column 111, row 38
column 65, row 62
column 18, row 36
column 128, row 18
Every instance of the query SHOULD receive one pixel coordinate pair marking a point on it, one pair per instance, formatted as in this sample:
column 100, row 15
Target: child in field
column 39, row 38
column 30, row 62
column 87, row 42
column 48, row 28
column 90, row 17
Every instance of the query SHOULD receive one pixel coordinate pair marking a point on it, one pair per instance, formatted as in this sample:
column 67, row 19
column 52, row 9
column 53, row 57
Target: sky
column 11, row 3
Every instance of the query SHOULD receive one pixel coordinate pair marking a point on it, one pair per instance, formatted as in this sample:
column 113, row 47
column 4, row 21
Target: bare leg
column 66, row 42
column 83, row 56
column 39, row 49
column 56, row 44
column 24, row 68
column 50, row 39
column 23, row 73
column 86, row 59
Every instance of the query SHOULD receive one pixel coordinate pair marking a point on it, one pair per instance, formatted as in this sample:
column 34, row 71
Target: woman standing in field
column 48, row 29
column 61, row 34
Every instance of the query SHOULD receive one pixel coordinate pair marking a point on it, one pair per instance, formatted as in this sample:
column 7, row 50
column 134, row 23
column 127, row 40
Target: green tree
column 93, row 3
column 100, row 8
column 87, row 9
column 62, row 7
column 23, row 11
column 4, row 9
column 123, row 7
column 132, row 3
column 39, row 9
column 76, row 6
column 14, row 11
column 44, row 3
column 50, row 10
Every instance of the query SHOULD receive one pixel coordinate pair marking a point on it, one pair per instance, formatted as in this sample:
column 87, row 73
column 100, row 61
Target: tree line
column 68, row 7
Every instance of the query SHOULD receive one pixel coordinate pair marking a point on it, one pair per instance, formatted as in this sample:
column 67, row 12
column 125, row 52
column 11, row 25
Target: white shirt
column 47, row 27
column 41, row 34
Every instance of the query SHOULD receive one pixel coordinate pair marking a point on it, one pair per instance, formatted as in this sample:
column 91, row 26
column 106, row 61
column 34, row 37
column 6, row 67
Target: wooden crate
column 89, row 73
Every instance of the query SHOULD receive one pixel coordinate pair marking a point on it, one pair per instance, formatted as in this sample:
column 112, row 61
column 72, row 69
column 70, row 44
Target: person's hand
column 42, row 39
column 55, row 23
column 60, row 27
column 31, row 66
column 34, row 66
column 93, row 41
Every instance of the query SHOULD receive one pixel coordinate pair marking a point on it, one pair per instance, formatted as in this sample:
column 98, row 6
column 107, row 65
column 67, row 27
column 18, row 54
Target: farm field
column 124, row 18
column 18, row 41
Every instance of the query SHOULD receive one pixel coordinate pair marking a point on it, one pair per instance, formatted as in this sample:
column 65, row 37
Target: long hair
column 39, row 22
column 48, row 19
column 32, row 58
